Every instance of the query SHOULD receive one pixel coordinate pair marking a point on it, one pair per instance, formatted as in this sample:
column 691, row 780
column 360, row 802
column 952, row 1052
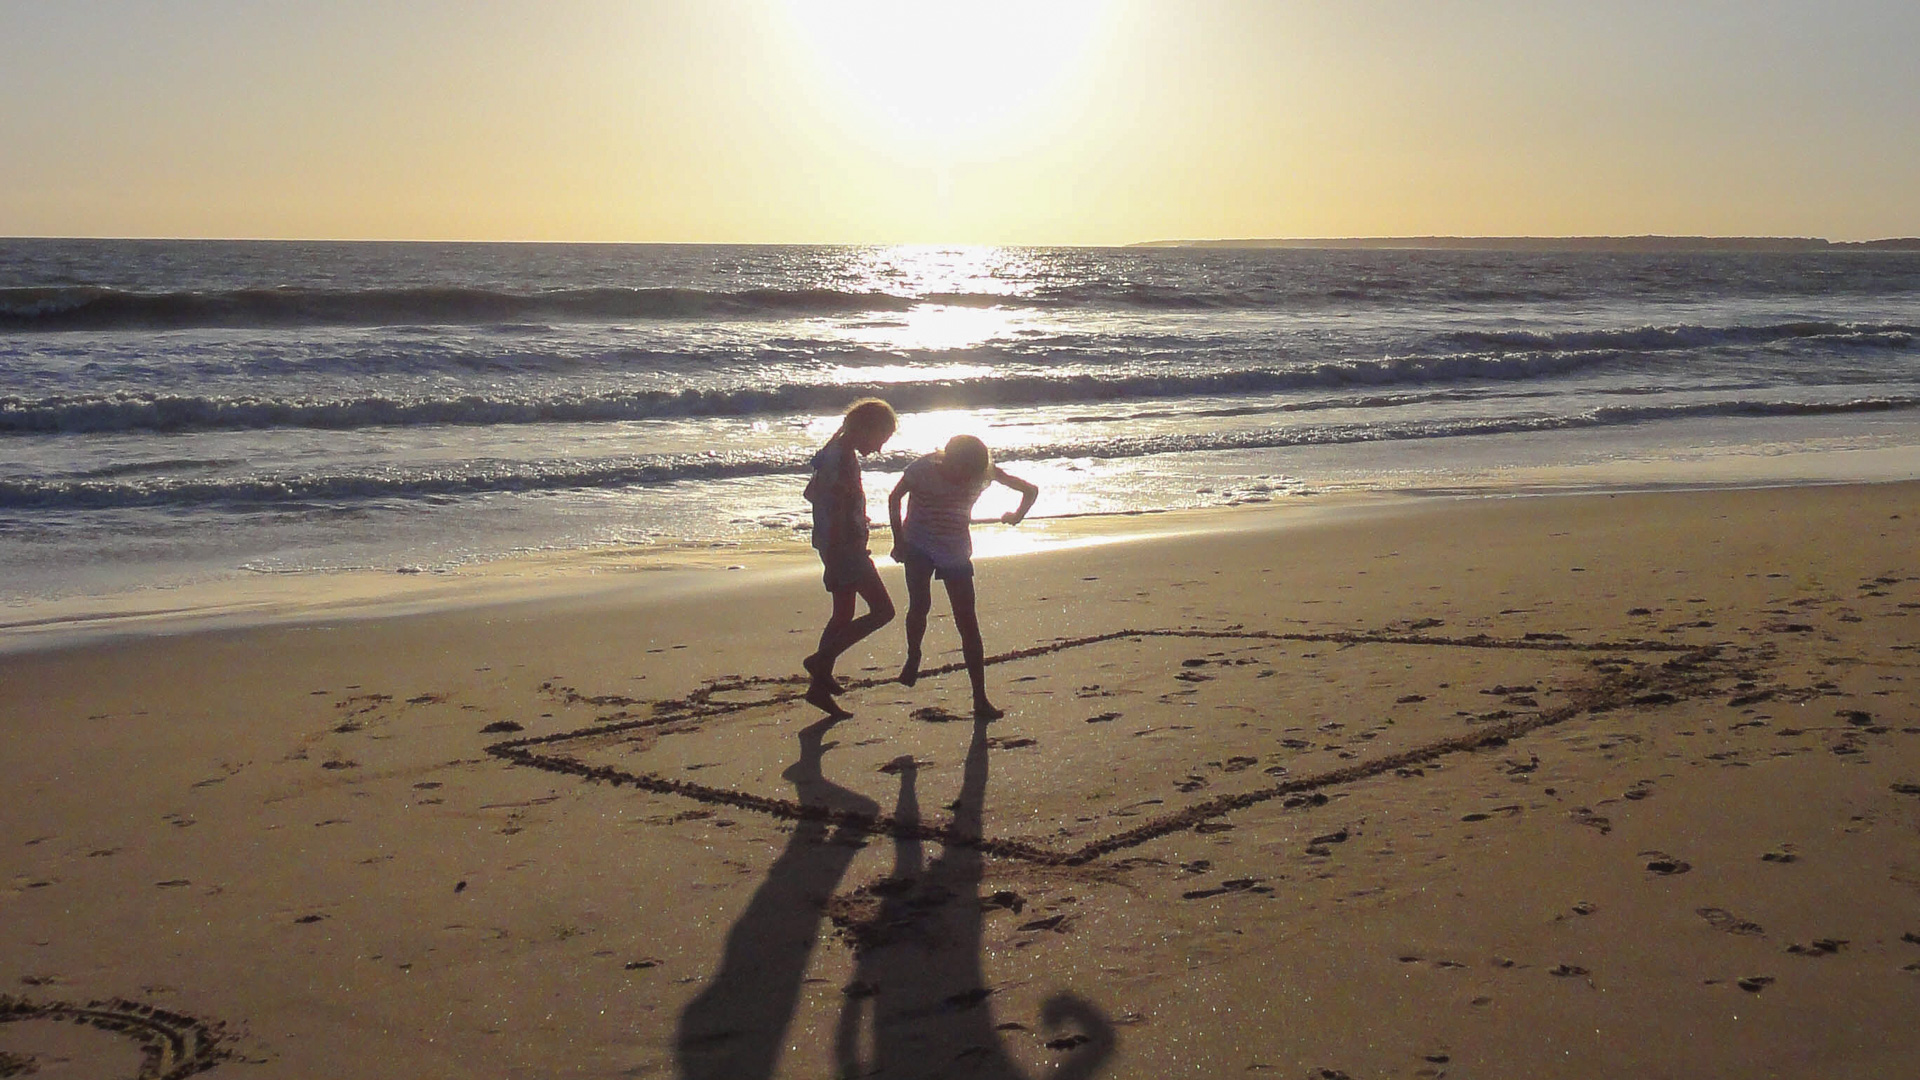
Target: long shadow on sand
column 734, row 1030
column 917, row 935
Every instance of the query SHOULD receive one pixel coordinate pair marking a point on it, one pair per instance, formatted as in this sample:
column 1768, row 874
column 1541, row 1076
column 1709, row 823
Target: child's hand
column 898, row 554
column 1011, row 518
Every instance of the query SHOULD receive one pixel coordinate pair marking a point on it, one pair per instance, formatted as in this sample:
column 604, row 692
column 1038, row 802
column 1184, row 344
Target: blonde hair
column 969, row 454
column 870, row 414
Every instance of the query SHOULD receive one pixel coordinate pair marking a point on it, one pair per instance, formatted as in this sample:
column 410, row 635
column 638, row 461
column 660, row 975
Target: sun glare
column 951, row 78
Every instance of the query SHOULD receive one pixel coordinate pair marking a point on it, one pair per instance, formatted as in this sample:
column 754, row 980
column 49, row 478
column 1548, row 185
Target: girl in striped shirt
column 933, row 541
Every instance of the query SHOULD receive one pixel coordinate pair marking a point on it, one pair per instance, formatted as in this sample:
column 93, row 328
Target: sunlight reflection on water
column 936, row 326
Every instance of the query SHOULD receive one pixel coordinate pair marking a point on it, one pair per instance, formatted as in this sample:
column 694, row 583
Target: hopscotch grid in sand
column 1694, row 671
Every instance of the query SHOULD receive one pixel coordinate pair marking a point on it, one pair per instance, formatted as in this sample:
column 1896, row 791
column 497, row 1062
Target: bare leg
column 843, row 631
column 820, row 664
column 919, row 603
column 967, row 621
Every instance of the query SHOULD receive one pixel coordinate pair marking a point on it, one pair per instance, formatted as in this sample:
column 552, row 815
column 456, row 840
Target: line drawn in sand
column 172, row 1045
column 1689, row 672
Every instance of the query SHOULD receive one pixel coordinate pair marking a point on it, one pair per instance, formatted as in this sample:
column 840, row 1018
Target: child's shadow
column 735, row 1028
column 918, row 975
column 918, row 954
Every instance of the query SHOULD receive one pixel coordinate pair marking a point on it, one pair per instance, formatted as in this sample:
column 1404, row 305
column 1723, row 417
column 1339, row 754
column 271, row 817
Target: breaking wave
column 89, row 307
column 104, row 489
column 170, row 413
column 1669, row 338
column 93, row 308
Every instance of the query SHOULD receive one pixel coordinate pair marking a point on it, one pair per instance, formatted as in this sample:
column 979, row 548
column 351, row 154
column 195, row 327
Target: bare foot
column 910, row 671
column 984, row 710
column 823, row 675
column 820, row 697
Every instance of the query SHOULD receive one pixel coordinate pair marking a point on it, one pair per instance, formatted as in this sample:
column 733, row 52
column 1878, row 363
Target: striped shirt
column 938, row 511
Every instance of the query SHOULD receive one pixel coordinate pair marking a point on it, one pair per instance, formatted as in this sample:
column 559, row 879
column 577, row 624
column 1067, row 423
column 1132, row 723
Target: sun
column 952, row 78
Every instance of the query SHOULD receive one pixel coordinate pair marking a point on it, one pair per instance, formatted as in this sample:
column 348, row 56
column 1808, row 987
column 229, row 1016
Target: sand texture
column 1590, row 786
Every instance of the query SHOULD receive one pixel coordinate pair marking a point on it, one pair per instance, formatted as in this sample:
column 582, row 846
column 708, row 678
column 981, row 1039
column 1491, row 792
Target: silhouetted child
column 840, row 534
column 934, row 542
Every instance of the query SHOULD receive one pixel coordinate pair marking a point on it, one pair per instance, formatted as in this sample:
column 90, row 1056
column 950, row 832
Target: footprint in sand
column 1660, row 862
column 1004, row 900
column 1236, row 885
column 1056, row 923
column 1728, row 923
column 1320, row 845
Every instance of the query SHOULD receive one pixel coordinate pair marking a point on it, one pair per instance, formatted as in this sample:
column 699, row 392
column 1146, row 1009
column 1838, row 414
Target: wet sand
column 1552, row 787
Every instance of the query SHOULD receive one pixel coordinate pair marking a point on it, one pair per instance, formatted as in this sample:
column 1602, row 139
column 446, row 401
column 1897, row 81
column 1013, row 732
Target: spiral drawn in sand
column 172, row 1045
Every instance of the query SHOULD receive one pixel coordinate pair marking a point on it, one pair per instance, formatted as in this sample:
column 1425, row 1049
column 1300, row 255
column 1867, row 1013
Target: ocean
column 176, row 412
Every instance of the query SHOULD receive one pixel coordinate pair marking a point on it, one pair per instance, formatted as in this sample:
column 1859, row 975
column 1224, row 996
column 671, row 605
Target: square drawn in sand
column 1114, row 739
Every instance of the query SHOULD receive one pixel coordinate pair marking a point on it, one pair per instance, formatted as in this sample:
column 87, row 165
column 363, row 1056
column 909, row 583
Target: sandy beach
column 1424, row 501
column 1577, row 786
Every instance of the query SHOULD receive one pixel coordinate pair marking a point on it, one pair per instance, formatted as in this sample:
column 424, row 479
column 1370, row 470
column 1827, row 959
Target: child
column 840, row 534
column 934, row 542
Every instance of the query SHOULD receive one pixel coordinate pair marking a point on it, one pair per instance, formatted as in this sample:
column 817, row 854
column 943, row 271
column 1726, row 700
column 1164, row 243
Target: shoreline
column 242, row 599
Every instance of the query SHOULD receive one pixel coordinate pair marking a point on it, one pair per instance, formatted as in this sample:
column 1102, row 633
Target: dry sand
column 1589, row 786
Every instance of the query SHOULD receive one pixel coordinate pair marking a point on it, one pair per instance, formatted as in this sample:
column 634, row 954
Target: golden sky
column 855, row 121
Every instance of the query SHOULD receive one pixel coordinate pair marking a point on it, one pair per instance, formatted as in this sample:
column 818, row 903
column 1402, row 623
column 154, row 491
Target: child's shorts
column 960, row 571
column 847, row 569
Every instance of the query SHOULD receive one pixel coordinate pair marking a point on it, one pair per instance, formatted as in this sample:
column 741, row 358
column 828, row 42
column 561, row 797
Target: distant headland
column 1561, row 243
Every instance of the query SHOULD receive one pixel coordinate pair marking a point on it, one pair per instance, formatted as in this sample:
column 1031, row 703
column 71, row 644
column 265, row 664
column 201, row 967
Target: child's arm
column 894, row 500
column 1027, row 491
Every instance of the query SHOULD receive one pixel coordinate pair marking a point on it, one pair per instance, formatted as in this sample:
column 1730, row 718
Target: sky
column 983, row 121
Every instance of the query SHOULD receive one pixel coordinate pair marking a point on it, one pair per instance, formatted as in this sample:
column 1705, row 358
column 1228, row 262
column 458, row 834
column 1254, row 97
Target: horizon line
column 1408, row 241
